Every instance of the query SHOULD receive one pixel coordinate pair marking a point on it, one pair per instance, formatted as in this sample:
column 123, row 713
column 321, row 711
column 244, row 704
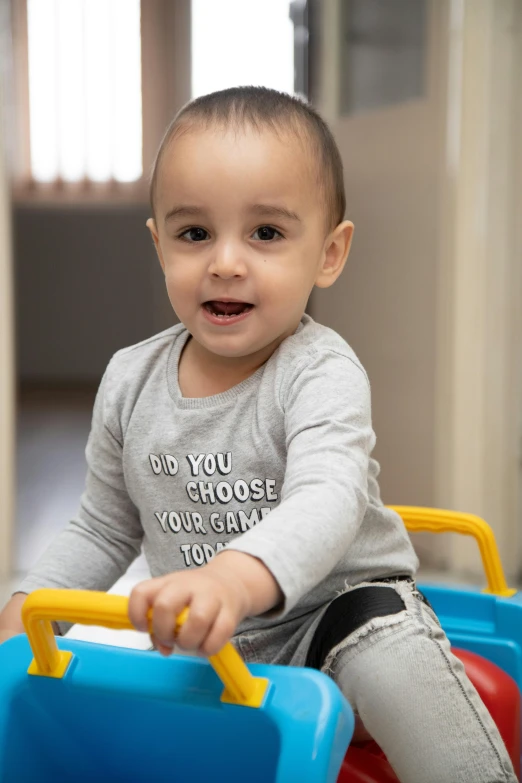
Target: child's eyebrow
column 270, row 210
column 262, row 210
column 183, row 211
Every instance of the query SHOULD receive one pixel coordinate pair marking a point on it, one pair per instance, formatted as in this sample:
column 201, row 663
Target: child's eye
column 267, row 233
column 194, row 234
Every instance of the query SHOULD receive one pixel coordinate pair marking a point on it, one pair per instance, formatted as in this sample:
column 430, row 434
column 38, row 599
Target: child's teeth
column 225, row 315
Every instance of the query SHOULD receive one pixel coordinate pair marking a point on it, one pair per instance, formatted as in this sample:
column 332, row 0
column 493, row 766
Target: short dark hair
column 260, row 107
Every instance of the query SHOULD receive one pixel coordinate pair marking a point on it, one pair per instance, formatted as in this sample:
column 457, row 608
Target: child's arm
column 220, row 595
column 328, row 439
column 11, row 618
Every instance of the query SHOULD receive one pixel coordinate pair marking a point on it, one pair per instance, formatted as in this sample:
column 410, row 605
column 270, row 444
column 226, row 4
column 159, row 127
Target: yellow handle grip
column 434, row 520
column 95, row 608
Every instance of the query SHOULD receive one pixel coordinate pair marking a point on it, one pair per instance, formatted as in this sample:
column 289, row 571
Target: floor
column 52, row 431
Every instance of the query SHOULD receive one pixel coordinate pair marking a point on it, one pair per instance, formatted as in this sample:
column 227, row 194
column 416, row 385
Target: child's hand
column 219, row 595
column 217, row 604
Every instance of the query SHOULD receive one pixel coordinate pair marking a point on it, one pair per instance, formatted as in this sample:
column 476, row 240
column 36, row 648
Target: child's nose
column 227, row 261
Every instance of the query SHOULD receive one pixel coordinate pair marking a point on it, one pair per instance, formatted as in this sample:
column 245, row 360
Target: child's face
column 240, row 233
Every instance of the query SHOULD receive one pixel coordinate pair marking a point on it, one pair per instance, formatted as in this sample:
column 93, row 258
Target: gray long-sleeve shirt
column 278, row 467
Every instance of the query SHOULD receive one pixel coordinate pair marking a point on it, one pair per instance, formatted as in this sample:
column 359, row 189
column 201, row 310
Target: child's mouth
column 227, row 312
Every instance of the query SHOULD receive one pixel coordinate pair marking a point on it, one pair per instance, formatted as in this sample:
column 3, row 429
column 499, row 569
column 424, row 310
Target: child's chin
column 229, row 349
column 239, row 353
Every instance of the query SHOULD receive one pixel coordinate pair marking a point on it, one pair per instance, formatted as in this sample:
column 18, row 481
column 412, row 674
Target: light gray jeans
column 414, row 698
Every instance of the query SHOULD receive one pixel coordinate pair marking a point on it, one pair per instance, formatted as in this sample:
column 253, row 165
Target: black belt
column 350, row 611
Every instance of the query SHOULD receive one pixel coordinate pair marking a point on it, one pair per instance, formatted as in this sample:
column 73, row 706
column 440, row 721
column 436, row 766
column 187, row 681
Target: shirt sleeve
column 329, row 438
column 101, row 541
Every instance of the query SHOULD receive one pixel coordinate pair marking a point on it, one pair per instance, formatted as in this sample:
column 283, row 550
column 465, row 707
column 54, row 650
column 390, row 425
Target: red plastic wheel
column 362, row 766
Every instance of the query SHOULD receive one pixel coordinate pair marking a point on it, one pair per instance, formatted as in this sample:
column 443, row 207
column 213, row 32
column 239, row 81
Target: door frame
column 7, row 370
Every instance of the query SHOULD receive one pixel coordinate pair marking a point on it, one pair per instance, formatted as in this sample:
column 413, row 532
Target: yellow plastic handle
column 434, row 520
column 94, row 608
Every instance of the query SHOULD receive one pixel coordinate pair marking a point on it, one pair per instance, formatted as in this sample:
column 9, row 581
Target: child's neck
column 204, row 374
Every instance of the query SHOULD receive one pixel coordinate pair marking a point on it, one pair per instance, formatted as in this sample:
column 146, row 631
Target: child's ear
column 151, row 225
column 336, row 249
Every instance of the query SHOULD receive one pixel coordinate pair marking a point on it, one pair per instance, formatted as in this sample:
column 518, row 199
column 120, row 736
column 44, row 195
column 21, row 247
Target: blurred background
column 423, row 97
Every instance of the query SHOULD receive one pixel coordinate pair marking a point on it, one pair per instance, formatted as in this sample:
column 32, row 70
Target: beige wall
column 518, row 267
column 385, row 303
column 431, row 298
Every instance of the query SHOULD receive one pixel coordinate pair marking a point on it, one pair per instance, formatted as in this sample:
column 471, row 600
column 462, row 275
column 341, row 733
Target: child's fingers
column 141, row 599
column 211, row 620
column 164, row 649
column 203, row 612
column 166, row 606
column 220, row 633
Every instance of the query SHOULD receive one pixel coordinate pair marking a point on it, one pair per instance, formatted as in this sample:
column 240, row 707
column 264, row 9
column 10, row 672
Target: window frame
column 165, row 60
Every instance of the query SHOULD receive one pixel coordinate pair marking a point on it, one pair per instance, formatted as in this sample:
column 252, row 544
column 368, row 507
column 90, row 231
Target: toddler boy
column 236, row 448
